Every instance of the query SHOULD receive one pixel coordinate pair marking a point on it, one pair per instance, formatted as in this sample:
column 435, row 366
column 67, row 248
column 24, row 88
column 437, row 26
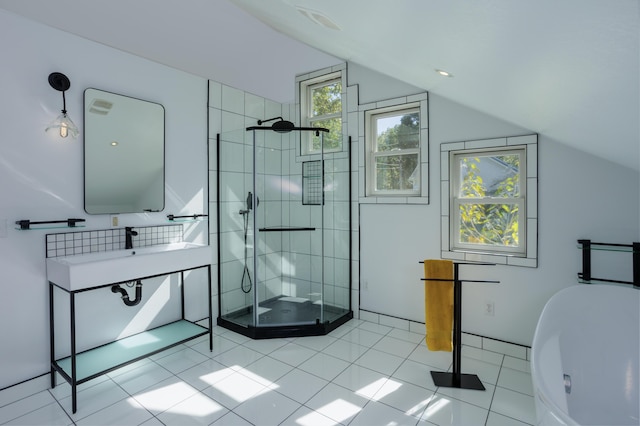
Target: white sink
column 94, row 269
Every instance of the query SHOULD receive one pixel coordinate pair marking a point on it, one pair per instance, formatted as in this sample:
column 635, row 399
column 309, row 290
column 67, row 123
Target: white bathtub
column 585, row 356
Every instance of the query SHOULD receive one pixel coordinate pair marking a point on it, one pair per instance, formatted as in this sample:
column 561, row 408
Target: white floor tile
column 476, row 397
column 25, row 405
column 205, row 374
column 361, row 380
column 195, row 410
column 307, row 417
column 487, row 372
column 517, row 364
column 514, row 404
column 49, row 415
column 164, row 395
column 404, row 396
column 238, row 357
column 269, row 408
column 125, row 412
column 362, row 337
column 231, row 419
column 376, row 328
column 380, row 361
column 516, row 380
column 337, row 403
column 25, row 389
column 443, row 410
column 345, row 350
column 375, row 413
column 292, row 354
column 141, row 378
column 407, row 335
column 415, row 373
column 265, row 346
column 395, row 346
column 299, row 385
column 234, row 390
column 326, row 367
column 496, row 419
column 363, row 373
column 181, row 360
column 440, row 360
column 266, row 370
column 316, row 343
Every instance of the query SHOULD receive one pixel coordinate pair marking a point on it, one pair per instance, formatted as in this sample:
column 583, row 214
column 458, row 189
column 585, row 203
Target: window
column 393, row 154
column 488, row 199
column 321, row 106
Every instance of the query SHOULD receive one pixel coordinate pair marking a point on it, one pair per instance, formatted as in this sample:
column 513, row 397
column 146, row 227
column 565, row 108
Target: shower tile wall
column 290, row 262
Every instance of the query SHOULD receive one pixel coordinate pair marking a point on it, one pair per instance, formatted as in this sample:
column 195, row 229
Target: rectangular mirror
column 123, row 154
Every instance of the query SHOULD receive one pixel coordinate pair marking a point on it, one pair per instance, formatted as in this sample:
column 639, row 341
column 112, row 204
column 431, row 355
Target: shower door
column 289, row 238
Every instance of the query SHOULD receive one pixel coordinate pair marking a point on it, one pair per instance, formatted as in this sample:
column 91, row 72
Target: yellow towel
column 438, row 304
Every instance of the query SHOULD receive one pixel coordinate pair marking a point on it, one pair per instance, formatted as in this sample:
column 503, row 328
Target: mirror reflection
column 123, row 154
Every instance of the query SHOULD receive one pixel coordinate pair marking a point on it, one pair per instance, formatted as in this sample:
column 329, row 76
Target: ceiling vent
column 318, row 18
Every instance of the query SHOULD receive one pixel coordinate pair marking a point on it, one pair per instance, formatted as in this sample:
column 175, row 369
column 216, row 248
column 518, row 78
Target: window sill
column 393, row 199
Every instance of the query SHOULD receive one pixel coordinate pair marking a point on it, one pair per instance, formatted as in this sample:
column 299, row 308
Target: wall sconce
column 63, row 123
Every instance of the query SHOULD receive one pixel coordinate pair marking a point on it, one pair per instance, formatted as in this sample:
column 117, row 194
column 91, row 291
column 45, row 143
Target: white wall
column 580, row 196
column 41, row 176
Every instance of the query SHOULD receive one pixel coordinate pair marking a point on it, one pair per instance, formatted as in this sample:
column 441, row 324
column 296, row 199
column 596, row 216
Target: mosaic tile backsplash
column 83, row 242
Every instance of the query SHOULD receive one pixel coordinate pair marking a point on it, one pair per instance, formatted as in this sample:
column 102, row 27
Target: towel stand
column 456, row 379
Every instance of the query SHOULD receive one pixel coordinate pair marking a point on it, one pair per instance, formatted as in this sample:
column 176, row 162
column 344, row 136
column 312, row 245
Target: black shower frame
column 281, row 331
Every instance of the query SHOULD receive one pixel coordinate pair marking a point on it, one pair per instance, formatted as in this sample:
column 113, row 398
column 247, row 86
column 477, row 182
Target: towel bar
column 456, row 379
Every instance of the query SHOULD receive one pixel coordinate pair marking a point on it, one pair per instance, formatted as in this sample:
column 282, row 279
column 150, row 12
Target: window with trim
column 393, row 150
column 321, row 106
column 488, row 200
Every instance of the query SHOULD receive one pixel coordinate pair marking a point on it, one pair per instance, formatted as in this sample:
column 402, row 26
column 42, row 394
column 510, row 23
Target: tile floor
column 361, row 374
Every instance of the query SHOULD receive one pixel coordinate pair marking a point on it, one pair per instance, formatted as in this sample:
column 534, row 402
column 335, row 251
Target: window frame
column 531, row 214
column 307, row 118
column 456, row 201
column 371, row 117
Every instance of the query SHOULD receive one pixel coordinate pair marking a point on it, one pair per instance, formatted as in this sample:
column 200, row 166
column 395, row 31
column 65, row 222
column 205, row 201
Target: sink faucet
column 129, row 233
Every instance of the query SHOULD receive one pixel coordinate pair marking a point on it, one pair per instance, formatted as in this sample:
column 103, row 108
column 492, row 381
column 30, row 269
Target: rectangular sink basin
column 95, row 269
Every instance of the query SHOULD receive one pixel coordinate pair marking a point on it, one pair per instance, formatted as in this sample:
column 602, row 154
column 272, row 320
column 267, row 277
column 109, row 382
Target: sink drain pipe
column 125, row 296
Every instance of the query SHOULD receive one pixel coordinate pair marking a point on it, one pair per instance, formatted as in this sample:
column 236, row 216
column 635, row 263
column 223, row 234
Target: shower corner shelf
column 80, row 367
column 587, row 246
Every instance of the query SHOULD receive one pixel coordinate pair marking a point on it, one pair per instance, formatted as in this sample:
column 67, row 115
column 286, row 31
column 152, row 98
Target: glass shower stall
column 284, row 238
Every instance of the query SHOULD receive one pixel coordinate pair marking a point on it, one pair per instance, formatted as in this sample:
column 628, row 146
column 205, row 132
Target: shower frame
column 287, row 330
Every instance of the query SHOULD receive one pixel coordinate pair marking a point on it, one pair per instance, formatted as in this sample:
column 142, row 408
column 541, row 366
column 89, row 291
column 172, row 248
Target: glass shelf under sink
column 94, row 362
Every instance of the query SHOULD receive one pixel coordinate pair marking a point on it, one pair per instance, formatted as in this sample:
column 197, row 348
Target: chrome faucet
column 129, row 234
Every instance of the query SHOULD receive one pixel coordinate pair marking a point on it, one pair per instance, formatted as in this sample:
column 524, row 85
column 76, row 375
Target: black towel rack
column 26, row 223
column 587, row 245
column 171, row 217
column 456, row 379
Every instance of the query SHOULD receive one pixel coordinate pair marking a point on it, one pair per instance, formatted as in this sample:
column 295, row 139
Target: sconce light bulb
column 64, row 130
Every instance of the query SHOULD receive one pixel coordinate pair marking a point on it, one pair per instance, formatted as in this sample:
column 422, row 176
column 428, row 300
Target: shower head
column 280, row 126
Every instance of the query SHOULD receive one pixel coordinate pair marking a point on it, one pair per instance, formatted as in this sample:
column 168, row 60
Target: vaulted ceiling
column 567, row 69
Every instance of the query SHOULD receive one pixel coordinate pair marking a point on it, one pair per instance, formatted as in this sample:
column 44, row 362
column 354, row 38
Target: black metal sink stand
column 456, row 379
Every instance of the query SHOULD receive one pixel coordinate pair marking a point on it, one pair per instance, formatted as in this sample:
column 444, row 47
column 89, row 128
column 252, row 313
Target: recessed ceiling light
column 444, row 73
column 318, row 18
column 114, row 143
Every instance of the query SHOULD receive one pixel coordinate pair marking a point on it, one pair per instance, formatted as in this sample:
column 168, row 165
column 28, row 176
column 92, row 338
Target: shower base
column 285, row 317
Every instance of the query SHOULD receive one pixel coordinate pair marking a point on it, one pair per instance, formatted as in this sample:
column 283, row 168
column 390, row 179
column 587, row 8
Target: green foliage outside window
column 327, row 100
column 397, row 171
column 494, row 221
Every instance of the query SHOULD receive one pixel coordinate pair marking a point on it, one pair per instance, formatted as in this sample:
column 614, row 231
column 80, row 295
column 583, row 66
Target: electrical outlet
column 489, row 308
column 114, row 221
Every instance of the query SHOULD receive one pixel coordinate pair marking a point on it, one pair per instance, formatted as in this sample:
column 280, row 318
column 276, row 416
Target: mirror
column 123, row 154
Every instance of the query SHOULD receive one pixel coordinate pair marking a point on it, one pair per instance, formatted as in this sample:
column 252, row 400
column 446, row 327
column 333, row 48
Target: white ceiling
column 567, row 69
